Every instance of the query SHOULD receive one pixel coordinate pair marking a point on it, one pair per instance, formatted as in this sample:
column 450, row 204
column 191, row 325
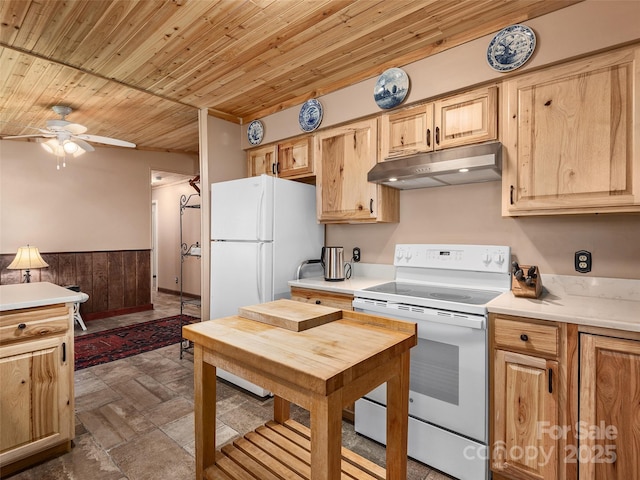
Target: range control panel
column 480, row 258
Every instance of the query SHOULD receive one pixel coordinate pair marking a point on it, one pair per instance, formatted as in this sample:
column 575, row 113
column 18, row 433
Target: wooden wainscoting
column 117, row 282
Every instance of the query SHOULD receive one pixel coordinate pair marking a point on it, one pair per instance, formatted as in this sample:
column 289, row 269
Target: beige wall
column 471, row 214
column 99, row 201
column 167, row 199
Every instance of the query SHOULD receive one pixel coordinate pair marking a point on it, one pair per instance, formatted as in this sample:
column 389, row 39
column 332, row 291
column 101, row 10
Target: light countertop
column 597, row 302
column 36, row 294
column 364, row 276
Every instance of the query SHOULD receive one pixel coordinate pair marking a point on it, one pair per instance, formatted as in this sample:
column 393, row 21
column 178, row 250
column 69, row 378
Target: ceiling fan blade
column 84, row 145
column 75, row 128
column 105, row 140
column 34, row 135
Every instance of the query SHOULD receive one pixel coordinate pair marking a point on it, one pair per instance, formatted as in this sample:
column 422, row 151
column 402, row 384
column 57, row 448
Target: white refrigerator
column 262, row 228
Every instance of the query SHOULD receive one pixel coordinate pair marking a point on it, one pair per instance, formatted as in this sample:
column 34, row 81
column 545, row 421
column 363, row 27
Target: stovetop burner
column 425, row 291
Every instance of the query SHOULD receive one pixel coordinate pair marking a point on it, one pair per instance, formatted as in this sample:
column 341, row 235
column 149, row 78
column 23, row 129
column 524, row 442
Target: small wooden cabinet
column 344, row 156
column 609, row 444
column 342, row 301
column 37, row 395
column 449, row 122
column 527, row 385
column 571, row 137
column 287, row 159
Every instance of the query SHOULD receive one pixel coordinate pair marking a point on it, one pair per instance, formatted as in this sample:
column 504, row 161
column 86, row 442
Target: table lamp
column 27, row 258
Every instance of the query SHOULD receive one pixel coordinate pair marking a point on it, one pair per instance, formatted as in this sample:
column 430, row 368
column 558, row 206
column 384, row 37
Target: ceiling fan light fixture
column 70, row 147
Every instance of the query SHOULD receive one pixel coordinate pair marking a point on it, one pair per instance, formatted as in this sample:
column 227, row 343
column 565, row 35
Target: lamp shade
column 27, row 258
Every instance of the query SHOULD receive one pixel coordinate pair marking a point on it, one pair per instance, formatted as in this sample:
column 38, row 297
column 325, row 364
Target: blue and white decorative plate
column 511, row 47
column 391, row 88
column 255, row 132
column 310, row 115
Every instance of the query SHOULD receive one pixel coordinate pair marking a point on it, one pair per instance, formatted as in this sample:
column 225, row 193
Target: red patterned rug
column 109, row 345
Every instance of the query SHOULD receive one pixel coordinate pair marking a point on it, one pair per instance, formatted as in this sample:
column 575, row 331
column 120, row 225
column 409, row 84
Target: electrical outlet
column 582, row 261
column 176, row 280
column 356, row 254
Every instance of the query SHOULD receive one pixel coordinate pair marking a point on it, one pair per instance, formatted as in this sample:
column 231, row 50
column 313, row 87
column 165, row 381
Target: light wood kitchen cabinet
column 449, row 122
column 342, row 301
column 37, row 395
column 528, row 388
column 261, row 160
column 609, row 444
column 344, row 156
column 570, row 139
column 287, row 159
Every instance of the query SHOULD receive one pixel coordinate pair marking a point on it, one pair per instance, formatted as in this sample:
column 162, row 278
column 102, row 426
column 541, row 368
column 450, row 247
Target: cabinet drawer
column 31, row 323
column 525, row 336
column 328, row 299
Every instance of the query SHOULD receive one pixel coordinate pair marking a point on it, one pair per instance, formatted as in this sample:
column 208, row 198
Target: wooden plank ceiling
column 140, row 70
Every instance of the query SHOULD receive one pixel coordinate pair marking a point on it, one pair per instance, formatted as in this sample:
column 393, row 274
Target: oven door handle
column 409, row 312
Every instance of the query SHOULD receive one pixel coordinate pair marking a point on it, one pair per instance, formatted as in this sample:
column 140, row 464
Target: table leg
column 398, row 421
column 281, row 409
column 326, row 437
column 205, row 412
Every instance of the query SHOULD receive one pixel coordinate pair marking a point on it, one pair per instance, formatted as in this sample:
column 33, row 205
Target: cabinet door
column 407, row 131
column 524, row 416
column 35, row 389
column 344, row 156
column 570, row 140
column 609, row 440
column 295, row 158
column 467, row 118
column 261, row 160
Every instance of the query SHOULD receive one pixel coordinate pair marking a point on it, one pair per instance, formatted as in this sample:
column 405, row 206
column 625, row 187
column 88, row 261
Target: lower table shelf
column 276, row 451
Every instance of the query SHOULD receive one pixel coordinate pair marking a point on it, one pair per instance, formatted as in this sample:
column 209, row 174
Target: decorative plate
column 310, row 115
column 391, row 88
column 511, row 48
column 255, row 132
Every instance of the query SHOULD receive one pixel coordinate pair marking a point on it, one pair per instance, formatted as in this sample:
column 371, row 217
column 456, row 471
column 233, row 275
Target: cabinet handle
column 318, row 302
column 22, row 326
column 273, row 168
column 511, row 195
column 524, row 337
column 278, row 168
column 428, row 137
column 64, row 352
column 550, row 381
column 437, row 135
column 371, row 206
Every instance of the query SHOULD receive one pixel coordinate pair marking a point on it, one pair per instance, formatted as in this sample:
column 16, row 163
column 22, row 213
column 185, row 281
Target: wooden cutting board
column 289, row 314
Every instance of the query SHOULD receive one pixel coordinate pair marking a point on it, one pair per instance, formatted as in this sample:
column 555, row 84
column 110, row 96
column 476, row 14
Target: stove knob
column 486, row 259
column 399, row 253
column 498, row 258
column 408, row 255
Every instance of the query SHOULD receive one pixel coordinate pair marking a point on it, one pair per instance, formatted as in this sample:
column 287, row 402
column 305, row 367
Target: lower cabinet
column 525, row 392
column 342, row 301
column 36, row 374
column 564, row 401
column 609, row 440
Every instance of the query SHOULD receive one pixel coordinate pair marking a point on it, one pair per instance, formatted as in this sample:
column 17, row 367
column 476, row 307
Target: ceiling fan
column 66, row 138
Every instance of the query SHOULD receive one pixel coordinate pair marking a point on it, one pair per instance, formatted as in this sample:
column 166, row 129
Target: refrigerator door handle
column 260, row 215
column 259, row 271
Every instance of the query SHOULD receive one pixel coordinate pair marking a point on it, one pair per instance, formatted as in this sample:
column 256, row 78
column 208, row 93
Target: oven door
column 448, row 379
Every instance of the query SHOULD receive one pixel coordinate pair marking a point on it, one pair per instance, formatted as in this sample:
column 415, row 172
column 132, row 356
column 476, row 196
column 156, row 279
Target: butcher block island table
column 317, row 357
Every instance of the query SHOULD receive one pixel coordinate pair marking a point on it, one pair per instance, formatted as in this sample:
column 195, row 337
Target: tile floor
column 134, row 417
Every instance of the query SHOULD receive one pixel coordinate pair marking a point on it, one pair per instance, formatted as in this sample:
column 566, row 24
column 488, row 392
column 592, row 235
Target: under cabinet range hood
column 454, row 166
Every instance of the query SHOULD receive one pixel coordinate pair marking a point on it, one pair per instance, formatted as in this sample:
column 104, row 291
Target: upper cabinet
column 450, row 122
column 344, row 156
column 287, row 159
column 571, row 143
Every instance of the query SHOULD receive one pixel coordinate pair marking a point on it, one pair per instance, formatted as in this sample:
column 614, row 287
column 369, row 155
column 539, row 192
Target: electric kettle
column 332, row 259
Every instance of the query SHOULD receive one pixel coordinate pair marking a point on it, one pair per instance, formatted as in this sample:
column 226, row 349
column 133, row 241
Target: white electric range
column 445, row 290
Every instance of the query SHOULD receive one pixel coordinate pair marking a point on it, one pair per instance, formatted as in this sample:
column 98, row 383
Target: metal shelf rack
column 187, row 251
